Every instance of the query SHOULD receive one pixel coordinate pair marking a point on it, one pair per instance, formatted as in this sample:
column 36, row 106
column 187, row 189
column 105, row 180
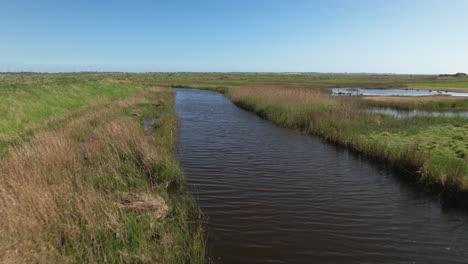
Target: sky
column 374, row 36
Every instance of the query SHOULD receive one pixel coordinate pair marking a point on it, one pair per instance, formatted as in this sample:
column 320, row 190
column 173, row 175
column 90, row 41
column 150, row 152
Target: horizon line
column 222, row 72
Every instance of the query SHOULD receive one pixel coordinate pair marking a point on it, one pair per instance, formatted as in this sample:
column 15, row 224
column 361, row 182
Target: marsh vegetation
column 436, row 147
column 87, row 167
column 83, row 181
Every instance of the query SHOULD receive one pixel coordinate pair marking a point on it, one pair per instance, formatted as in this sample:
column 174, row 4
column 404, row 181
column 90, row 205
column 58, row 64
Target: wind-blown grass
column 435, row 103
column 99, row 188
column 28, row 101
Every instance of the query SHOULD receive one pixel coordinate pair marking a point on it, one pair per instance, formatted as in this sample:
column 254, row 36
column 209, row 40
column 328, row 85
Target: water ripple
column 272, row 195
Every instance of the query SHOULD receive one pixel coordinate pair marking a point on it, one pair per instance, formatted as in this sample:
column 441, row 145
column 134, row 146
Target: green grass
column 424, row 103
column 32, row 101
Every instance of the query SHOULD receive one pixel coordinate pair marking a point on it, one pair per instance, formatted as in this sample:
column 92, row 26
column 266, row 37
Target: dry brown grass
column 47, row 194
column 297, row 97
column 145, row 202
column 291, row 96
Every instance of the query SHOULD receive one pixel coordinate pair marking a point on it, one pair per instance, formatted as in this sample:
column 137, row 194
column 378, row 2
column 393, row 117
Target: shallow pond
column 393, row 92
column 411, row 113
column 273, row 195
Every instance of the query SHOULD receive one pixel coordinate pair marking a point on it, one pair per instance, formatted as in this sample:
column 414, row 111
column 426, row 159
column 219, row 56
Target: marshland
column 91, row 166
column 228, row 132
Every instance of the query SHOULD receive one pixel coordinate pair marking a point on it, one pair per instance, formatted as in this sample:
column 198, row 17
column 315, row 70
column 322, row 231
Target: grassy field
column 306, row 80
column 87, row 182
column 87, row 172
column 28, row 102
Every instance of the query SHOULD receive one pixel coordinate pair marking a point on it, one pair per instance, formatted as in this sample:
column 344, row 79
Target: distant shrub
column 458, row 74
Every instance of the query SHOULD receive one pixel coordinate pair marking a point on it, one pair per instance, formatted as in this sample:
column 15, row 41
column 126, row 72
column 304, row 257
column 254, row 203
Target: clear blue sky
column 398, row 36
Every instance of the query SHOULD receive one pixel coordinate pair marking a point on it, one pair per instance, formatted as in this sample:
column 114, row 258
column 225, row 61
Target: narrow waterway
column 273, row 195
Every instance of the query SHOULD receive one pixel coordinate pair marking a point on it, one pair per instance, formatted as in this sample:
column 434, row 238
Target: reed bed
column 437, row 148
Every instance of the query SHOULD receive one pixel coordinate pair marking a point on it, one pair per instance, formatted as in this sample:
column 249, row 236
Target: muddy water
column 272, row 195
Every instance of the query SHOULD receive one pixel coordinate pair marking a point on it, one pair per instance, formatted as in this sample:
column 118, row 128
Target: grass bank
column 95, row 180
column 436, row 147
column 31, row 102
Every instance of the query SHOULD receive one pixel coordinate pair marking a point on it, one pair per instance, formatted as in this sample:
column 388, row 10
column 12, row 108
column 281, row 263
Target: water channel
column 273, row 195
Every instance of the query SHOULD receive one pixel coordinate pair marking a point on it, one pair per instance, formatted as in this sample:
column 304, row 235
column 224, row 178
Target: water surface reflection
column 273, row 195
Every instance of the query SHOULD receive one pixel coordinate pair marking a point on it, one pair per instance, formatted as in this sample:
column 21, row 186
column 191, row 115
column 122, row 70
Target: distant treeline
column 458, row 74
